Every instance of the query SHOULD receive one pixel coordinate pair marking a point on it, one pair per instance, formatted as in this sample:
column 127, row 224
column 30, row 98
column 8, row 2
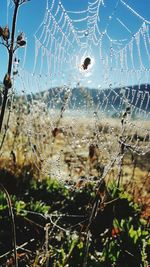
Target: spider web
column 69, row 109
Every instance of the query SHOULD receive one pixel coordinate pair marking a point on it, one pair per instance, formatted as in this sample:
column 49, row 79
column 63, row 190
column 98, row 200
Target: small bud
column 6, row 34
column 16, row 60
column 7, row 81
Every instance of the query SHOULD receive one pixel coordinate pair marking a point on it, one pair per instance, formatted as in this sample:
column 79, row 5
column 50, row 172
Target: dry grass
column 70, row 147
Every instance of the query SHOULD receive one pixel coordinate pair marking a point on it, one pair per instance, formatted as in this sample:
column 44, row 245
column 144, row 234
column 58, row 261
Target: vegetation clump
column 62, row 225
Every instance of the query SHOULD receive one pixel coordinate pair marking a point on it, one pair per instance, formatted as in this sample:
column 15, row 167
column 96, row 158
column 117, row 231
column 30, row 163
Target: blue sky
column 117, row 23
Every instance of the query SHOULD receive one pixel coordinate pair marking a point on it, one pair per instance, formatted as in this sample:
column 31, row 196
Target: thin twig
column 47, row 226
column 12, row 222
column 18, row 247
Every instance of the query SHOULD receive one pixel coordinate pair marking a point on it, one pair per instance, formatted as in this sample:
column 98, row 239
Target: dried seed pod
column 7, row 81
column 22, row 43
column 20, row 37
column 6, row 34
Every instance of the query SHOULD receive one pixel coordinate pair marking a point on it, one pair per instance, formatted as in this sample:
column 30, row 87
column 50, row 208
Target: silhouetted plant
column 12, row 44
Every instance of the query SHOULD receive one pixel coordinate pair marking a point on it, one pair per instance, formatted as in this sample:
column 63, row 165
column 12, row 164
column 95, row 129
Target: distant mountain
column 116, row 99
column 111, row 101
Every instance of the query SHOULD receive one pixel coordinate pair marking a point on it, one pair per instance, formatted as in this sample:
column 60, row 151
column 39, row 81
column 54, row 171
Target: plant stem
column 7, row 125
column 10, row 62
column 3, row 189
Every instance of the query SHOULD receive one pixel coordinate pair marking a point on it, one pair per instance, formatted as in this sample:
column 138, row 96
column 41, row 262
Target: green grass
column 54, row 221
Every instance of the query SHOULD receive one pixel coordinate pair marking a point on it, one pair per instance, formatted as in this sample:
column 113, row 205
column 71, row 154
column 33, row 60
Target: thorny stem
column 3, row 189
column 10, row 61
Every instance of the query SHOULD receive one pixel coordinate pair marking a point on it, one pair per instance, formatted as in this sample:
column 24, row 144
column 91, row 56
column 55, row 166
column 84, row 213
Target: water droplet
column 86, row 33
